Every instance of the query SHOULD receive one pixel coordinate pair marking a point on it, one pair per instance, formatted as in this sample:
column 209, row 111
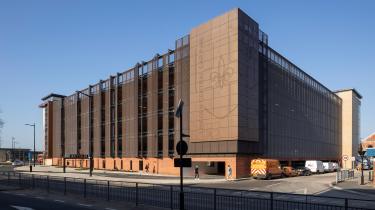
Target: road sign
column 181, row 148
column 345, row 157
column 185, row 162
column 352, row 158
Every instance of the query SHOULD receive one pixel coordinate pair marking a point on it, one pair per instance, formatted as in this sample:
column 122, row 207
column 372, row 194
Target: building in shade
column 243, row 100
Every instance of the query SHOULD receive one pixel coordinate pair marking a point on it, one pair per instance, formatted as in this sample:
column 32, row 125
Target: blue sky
column 61, row 46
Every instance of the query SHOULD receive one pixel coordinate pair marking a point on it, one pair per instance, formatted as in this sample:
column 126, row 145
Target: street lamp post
column 91, row 160
column 33, row 125
column 361, row 153
column 181, row 153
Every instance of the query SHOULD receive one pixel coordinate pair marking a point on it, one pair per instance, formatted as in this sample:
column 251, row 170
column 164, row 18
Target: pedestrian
column 147, row 166
column 229, row 172
column 196, row 172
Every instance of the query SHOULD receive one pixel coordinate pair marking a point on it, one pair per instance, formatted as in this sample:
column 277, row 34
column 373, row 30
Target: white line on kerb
column 86, row 205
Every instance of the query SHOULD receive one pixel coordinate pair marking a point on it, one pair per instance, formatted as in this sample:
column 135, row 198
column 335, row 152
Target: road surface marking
column 59, row 201
column 271, row 185
column 110, row 209
column 303, row 189
column 21, row 208
column 39, row 197
column 20, row 194
column 86, row 205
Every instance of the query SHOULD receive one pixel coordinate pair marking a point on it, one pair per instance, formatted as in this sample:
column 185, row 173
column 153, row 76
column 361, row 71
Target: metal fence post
column 271, row 200
column 215, row 199
column 84, row 188
column 19, row 179
column 107, row 190
column 32, row 177
column 47, row 183
column 346, row 204
column 171, row 191
column 136, row 194
column 64, row 185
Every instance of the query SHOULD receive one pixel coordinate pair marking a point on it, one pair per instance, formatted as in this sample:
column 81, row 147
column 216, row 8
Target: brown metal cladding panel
column 107, row 123
column 182, row 81
column 130, row 95
column 152, row 99
column 70, row 125
column 96, row 118
column 213, row 147
column 165, row 73
column 124, row 129
column 85, row 125
column 214, row 79
column 50, row 129
column 56, row 128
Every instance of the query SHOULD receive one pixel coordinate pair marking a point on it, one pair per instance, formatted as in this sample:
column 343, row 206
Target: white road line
column 86, row 205
column 21, row 208
column 59, row 201
column 271, row 185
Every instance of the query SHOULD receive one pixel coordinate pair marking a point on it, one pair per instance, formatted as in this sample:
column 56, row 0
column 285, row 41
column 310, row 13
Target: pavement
column 118, row 175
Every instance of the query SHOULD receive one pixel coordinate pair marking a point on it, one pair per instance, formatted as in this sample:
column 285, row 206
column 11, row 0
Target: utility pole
column 13, row 146
column 33, row 125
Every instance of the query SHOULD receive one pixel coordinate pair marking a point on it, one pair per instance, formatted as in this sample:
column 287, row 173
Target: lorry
column 316, row 166
column 265, row 168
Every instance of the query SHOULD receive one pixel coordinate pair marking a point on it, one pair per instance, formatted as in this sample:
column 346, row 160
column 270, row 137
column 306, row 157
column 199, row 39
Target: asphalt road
column 11, row 201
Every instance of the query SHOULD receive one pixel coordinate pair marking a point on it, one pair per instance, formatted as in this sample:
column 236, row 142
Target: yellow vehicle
column 265, row 168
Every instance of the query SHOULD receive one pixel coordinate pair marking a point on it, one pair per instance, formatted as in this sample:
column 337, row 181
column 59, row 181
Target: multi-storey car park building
column 242, row 100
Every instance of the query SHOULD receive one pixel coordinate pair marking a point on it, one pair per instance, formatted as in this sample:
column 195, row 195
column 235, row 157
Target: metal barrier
column 343, row 175
column 167, row 196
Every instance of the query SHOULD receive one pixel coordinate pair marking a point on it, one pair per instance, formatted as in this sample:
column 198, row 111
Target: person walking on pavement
column 196, row 173
column 229, row 172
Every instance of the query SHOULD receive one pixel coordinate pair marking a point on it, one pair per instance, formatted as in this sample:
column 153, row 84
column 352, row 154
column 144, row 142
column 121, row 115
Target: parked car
column 316, row 166
column 304, row 171
column 265, row 168
column 328, row 167
column 289, row 171
column 17, row 163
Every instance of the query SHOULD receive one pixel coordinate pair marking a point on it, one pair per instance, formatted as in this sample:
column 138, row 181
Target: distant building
column 243, row 100
column 369, row 142
column 351, row 102
column 9, row 154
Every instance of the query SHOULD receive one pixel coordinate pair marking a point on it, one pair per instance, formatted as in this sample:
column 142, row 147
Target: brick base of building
column 207, row 165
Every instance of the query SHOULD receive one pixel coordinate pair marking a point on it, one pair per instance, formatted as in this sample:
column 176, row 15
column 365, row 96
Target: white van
column 328, row 167
column 316, row 166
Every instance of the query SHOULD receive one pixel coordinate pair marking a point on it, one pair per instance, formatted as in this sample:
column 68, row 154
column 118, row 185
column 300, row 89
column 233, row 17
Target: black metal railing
column 167, row 196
